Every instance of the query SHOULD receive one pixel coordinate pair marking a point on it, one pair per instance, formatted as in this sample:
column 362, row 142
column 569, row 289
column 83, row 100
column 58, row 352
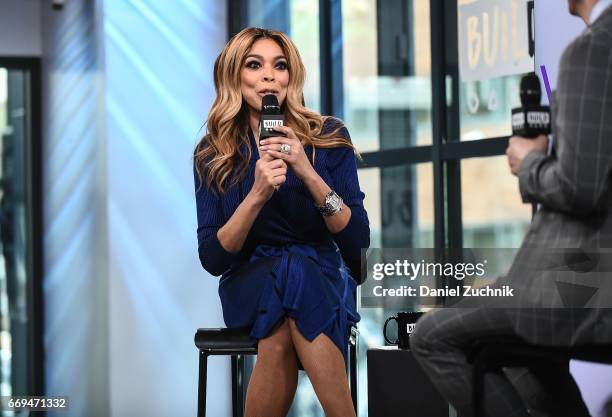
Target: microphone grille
column 269, row 104
column 531, row 92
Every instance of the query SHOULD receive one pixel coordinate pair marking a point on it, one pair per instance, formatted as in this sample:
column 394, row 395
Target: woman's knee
column 279, row 343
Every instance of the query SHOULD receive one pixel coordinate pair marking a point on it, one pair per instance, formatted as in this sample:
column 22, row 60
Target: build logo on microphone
column 270, row 123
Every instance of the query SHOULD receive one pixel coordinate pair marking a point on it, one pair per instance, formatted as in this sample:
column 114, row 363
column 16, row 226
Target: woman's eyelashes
column 252, row 64
column 280, row 65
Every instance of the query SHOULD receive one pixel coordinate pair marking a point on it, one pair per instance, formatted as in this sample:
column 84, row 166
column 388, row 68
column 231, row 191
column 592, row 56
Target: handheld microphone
column 531, row 119
column 269, row 117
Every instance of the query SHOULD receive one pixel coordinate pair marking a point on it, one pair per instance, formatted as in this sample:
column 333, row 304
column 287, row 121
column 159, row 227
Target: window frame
column 35, row 271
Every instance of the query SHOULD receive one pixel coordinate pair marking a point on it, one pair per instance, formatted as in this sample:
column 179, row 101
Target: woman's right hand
column 270, row 173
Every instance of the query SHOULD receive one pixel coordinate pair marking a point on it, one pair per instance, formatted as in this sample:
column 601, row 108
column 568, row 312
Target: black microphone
column 270, row 116
column 531, row 119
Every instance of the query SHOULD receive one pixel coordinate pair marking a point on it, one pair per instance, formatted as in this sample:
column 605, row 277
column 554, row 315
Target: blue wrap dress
column 290, row 264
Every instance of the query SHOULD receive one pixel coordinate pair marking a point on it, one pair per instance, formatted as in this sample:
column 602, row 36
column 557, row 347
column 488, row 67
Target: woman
column 270, row 221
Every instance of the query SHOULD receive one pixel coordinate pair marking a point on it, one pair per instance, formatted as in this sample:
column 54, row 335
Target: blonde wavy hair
column 218, row 156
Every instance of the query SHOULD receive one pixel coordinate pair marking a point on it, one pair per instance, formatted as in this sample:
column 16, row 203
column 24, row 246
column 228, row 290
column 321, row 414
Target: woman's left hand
column 296, row 158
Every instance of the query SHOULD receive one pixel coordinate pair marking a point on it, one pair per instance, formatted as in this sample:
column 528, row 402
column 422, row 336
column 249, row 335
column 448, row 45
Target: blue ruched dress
column 290, row 264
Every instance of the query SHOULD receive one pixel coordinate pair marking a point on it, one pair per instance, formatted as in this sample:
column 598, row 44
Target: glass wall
column 300, row 20
column 400, row 212
column 493, row 213
column 485, row 107
column 399, row 206
column 491, row 59
column 16, row 269
column 387, row 73
column 432, row 136
column 387, row 106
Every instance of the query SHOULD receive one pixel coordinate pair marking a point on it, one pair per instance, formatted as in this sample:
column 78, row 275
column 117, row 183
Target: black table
column 397, row 386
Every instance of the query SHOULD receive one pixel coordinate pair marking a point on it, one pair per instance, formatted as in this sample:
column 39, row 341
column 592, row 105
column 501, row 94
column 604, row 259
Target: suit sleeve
column 213, row 257
column 575, row 178
column 356, row 234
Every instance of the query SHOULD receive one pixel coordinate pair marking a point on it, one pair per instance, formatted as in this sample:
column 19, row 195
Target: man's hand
column 519, row 147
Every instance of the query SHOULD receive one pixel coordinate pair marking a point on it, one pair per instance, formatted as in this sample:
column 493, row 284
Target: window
column 493, row 214
column 299, row 19
column 432, row 140
column 386, row 73
column 20, row 240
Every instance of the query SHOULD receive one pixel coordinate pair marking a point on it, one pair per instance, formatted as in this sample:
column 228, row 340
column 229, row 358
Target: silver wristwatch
column 331, row 205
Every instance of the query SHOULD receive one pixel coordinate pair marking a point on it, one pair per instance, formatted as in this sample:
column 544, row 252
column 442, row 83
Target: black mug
column 405, row 326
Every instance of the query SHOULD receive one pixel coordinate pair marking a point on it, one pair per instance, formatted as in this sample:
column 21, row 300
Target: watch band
column 332, row 204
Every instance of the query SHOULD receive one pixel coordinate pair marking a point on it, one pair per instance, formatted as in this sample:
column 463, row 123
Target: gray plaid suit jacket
column 574, row 188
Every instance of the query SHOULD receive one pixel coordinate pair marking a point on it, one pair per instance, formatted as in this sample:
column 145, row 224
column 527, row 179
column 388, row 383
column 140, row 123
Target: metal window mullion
column 438, row 94
column 237, row 16
column 36, row 218
column 454, row 207
column 330, row 58
column 396, row 157
column 325, row 56
column 474, row 149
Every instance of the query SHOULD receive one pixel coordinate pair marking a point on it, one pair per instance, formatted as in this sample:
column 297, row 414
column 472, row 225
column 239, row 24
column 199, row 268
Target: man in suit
column 573, row 188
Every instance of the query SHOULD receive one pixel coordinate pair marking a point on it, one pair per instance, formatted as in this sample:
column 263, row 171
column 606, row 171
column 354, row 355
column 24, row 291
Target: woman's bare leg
column 324, row 365
column 274, row 378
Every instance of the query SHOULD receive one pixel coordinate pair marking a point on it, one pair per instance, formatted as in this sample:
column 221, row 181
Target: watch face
column 333, row 201
column 332, row 204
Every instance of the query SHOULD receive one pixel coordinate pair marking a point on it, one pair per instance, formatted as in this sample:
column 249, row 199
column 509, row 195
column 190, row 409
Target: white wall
column 555, row 29
column 158, row 89
column 75, row 284
column 20, row 27
column 127, row 86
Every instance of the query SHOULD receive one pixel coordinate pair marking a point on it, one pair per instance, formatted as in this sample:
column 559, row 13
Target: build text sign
column 494, row 39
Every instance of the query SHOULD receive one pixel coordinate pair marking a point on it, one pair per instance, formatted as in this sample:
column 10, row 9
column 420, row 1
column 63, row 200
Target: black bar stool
column 494, row 355
column 236, row 342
